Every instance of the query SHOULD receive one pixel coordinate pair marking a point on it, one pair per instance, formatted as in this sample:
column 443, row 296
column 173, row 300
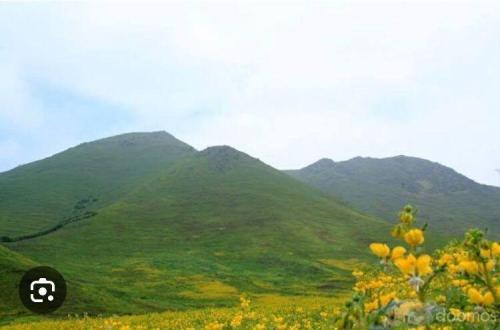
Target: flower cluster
column 457, row 287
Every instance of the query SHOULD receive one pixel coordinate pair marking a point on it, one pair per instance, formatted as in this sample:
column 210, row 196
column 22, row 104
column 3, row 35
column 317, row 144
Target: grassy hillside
column 12, row 268
column 40, row 195
column 447, row 200
column 199, row 232
column 81, row 294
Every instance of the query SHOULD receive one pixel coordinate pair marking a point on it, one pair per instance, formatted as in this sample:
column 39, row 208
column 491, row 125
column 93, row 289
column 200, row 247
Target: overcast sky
column 287, row 83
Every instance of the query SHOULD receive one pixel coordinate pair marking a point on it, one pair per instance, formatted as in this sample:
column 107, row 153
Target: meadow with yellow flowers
column 408, row 287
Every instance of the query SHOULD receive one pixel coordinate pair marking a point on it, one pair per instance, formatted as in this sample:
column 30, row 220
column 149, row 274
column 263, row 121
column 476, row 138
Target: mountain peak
column 225, row 157
column 325, row 161
column 157, row 137
column 135, row 141
column 221, row 149
column 320, row 165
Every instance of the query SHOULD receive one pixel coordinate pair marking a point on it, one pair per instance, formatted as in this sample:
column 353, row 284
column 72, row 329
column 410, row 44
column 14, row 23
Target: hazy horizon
column 288, row 84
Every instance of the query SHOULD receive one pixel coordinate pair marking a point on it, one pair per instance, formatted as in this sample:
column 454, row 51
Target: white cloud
column 286, row 82
column 17, row 106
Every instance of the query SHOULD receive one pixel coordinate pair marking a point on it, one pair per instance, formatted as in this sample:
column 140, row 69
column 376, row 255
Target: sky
column 287, row 82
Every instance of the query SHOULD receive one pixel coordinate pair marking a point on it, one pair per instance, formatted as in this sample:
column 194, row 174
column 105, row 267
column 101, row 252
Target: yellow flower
column 479, row 299
column 357, row 273
column 453, row 269
column 385, row 299
column 424, row 265
column 245, row 303
column 406, row 265
column 214, row 326
column 236, row 321
column 414, row 237
column 445, row 259
column 459, row 282
column 371, row 306
column 397, row 252
column 413, row 266
column 495, row 249
column 490, row 265
column 380, row 250
column 469, row 266
column 406, row 217
column 485, row 253
column 455, row 312
column 488, row 299
column 260, row 326
column 277, row 319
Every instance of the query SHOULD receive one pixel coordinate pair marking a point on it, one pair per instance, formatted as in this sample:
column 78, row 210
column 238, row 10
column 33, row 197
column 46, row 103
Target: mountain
column 40, row 195
column 176, row 228
column 447, row 200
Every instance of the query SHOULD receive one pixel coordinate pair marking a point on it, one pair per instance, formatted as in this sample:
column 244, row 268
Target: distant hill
column 447, row 200
column 176, row 228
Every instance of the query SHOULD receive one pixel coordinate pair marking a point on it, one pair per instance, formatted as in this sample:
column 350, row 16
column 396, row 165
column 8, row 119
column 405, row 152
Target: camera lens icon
column 42, row 290
column 42, row 287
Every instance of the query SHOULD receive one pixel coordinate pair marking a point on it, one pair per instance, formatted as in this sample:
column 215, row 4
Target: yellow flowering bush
column 454, row 288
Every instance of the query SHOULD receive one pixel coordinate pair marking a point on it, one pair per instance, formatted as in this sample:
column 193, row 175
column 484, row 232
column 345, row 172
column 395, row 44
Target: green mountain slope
column 62, row 188
column 447, row 200
column 12, row 268
column 213, row 224
column 81, row 294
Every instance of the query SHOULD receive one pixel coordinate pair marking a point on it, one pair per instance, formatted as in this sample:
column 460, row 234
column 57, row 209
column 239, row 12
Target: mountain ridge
column 324, row 162
column 442, row 194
